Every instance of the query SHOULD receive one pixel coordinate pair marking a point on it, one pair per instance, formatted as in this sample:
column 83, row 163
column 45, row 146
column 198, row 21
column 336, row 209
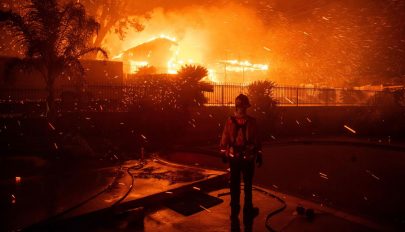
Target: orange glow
column 119, row 56
column 175, row 62
column 163, row 36
column 135, row 65
column 206, row 36
column 328, row 46
column 243, row 66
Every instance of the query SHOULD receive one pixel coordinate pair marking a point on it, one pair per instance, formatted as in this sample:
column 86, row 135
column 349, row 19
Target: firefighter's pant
column 246, row 168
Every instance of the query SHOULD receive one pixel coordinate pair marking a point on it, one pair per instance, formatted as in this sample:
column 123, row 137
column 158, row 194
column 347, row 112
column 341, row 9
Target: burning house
column 156, row 52
column 162, row 53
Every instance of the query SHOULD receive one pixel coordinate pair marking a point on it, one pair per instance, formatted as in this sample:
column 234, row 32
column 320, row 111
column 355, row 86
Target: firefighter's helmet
column 242, row 101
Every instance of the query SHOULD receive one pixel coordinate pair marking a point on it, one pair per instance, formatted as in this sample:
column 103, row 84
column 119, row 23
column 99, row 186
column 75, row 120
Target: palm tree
column 191, row 86
column 261, row 95
column 54, row 38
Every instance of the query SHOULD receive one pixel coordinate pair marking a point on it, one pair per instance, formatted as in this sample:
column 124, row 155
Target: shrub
column 260, row 94
column 161, row 103
column 263, row 104
column 350, row 96
column 386, row 117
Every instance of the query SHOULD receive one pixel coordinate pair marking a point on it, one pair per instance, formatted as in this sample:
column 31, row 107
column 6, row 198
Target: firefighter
column 241, row 147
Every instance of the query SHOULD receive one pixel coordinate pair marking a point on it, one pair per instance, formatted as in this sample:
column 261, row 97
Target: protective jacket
column 240, row 138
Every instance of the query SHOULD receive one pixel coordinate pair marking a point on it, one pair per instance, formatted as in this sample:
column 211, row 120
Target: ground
column 350, row 187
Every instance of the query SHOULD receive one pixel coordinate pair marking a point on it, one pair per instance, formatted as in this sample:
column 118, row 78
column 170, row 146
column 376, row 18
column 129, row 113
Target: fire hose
column 108, row 188
column 271, row 214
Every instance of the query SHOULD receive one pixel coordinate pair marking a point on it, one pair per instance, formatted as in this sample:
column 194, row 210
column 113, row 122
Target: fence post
column 336, row 97
column 297, row 96
column 222, row 94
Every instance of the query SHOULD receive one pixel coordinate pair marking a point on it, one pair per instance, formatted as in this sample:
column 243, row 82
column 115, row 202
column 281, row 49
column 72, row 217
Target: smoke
column 204, row 34
column 319, row 42
column 323, row 42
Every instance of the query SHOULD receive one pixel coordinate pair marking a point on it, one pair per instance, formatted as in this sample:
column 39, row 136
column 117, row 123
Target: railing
column 222, row 95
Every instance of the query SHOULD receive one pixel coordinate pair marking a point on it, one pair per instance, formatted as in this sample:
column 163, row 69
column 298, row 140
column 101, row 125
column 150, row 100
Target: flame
column 119, row 56
column 163, row 36
column 135, row 65
column 198, row 33
column 212, row 76
column 172, row 65
column 243, row 66
column 182, row 57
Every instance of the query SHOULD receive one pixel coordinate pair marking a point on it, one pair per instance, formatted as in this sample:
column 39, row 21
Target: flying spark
column 323, row 175
column 202, row 207
column 286, row 98
column 374, row 176
column 350, row 129
column 51, row 126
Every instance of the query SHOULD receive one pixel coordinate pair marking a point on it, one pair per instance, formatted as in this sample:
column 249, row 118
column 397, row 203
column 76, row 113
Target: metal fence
column 96, row 92
column 222, row 95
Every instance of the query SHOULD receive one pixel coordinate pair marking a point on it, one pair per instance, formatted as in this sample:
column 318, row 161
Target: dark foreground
column 165, row 196
column 358, row 179
column 350, row 187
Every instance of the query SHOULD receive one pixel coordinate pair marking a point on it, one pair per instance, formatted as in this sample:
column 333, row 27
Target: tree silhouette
column 261, row 96
column 191, row 87
column 54, row 38
column 114, row 15
column 146, row 70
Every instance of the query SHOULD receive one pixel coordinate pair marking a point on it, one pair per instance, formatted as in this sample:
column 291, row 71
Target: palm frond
column 17, row 24
column 55, row 37
column 45, row 13
column 192, row 72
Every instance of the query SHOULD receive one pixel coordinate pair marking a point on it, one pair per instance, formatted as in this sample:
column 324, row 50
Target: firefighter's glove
column 224, row 156
column 224, row 159
column 259, row 160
